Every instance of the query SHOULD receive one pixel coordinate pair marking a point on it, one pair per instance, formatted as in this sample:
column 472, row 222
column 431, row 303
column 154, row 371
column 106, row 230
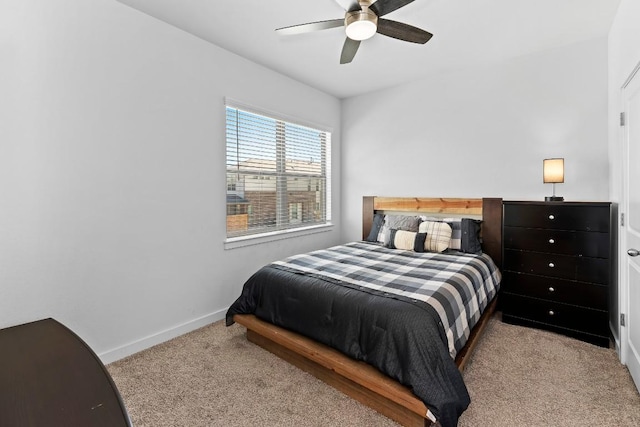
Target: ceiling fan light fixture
column 361, row 24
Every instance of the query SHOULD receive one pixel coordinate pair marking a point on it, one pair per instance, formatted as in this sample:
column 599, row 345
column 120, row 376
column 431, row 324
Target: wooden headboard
column 489, row 209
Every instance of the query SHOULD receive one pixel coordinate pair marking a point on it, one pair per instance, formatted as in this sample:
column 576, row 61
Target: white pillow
column 406, row 240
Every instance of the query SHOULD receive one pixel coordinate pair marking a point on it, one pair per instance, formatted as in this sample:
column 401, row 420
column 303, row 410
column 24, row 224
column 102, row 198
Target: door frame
column 623, row 282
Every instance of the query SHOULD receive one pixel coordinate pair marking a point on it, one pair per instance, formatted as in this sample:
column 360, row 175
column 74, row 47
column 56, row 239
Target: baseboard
column 633, row 364
column 160, row 337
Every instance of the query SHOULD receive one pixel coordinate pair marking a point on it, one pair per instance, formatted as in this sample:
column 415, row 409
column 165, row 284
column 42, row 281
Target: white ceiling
column 466, row 32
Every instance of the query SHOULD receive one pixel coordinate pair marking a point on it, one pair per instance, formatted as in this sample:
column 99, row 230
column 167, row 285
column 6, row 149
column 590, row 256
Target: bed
column 331, row 313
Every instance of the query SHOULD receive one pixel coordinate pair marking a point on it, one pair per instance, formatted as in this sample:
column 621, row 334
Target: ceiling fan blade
column 349, row 5
column 349, row 50
column 311, row 26
column 382, row 7
column 401, row 31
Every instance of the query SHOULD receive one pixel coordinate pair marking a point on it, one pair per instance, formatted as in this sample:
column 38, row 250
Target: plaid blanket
column 458, row 286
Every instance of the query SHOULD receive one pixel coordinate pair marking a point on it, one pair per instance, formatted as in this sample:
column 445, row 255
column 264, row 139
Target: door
column 630, row 261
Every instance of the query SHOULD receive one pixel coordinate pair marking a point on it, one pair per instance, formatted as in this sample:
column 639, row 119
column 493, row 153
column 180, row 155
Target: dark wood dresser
column 557, row 267
column 50, row 377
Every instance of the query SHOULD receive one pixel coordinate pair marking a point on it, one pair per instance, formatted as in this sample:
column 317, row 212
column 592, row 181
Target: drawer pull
column 551, row 313
column 551, row 289
column 552, row 216
column 552, row 241
column 551, row 265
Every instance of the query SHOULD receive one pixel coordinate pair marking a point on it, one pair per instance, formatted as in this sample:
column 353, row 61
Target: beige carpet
column 518, row 377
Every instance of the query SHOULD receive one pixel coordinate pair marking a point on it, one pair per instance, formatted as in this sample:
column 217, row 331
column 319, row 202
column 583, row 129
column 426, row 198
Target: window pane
column 276, row 174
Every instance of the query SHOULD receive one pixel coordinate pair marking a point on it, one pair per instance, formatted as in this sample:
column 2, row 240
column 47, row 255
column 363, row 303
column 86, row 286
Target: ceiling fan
column 362, row 20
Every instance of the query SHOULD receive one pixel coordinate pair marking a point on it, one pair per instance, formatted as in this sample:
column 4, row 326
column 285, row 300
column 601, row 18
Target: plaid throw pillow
column 438, row 235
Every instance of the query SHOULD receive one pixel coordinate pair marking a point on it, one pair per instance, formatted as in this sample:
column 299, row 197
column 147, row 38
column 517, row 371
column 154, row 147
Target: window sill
column 258, row 239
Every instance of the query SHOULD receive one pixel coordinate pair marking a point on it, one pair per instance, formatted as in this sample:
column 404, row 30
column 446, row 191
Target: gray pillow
column 470, row 236
column 398, row 222
column 404, row 222
column 378, row 221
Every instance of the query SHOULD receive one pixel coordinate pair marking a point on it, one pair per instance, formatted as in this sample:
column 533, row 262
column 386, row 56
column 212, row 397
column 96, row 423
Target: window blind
column 277, row 174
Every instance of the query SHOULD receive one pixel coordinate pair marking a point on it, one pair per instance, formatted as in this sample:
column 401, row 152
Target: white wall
column 112, row 181
column 482, row 131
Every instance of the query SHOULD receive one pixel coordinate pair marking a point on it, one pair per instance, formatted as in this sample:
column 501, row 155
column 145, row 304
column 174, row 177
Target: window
column 278, row 173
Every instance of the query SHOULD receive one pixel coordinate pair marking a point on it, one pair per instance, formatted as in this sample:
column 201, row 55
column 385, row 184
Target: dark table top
column 50, row 377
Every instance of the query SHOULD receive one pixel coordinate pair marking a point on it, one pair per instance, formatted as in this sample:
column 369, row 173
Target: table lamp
column 553, row 173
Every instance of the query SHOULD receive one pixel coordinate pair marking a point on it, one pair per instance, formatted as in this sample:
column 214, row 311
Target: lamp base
column 554, row 199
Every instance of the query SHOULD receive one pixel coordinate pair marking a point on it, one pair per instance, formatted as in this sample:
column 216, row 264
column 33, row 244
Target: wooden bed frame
column 357, row 379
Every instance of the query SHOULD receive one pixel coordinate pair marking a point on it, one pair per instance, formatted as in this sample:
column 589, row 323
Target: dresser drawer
column 592, row 270
column 557, row 216
column 559, row 290
column 557, row 314
column 580, row 243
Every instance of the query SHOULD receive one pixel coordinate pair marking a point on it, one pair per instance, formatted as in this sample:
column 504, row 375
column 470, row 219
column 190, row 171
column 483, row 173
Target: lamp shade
column 553, row 170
